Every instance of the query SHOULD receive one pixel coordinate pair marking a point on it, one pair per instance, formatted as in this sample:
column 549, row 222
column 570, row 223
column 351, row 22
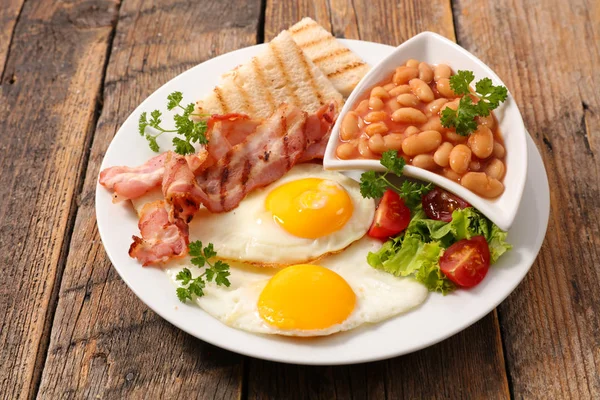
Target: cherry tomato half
column 467, row 261
column 391, row 217
column 439, row 204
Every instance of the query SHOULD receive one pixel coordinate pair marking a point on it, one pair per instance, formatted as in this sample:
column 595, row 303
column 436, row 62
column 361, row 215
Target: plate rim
column 240, row 349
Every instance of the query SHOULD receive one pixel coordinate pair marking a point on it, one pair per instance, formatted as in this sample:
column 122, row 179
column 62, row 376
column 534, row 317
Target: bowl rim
column 502, row 217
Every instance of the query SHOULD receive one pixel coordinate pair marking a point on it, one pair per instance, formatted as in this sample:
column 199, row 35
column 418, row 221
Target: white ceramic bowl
column 435, row 49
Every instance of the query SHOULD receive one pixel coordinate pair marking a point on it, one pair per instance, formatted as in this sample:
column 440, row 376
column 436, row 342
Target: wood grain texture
column 9, row 13
column 474, row 356
column 549, row 60
column 105, row 343
column 390, row 23
column 286, row 13
column 48, row 98
column 466, row 366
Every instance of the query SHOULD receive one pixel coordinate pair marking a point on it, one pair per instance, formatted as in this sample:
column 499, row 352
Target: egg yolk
column 310, row 208
column 306, row 297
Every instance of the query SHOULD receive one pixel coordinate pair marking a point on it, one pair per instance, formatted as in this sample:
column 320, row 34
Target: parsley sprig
column 219, row 271
column 373, row 184
column 190, row 131
column 412, row 192
column 463, row 118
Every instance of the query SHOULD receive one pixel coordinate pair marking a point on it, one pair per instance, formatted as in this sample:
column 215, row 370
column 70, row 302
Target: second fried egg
column 341, row 293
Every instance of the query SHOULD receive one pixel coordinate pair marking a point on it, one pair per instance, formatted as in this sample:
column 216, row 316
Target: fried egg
column 303, row 216
column 337, row 293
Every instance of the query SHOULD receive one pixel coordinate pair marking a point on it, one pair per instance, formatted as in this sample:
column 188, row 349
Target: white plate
column 438, row 318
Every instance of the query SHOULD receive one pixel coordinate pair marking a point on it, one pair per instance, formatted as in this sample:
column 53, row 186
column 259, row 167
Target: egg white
column 379, row 295
column 249, row 233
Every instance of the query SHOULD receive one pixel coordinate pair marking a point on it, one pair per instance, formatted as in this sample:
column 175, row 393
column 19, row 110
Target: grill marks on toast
column 248, row 108
column 281, row 73
column 222, row 103
column 346, row 68
column 331, row 54
column 297, row 29
column 289, row 85
column 309, row 77
column 316, row 42
column 266, row 94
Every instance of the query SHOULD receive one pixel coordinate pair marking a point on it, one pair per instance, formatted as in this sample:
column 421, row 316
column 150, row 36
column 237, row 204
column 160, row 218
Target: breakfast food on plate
column 256, row 233
column 281, row 73
column 304, row 66
column 218, row 177
column 301, row 217
column 341, row 66
column 339, row 293
column 435, row 121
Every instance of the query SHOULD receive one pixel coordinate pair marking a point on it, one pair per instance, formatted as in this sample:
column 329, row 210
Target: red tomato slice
column 391, row 217
column 467, row 261
column 439, row 204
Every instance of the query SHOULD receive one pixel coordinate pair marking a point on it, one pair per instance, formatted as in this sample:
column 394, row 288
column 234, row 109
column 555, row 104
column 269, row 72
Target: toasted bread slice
column 341, row 66
column 279, row 74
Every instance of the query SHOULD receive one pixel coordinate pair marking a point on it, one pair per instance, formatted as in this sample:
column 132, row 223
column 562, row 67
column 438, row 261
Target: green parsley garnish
column 191, row 132
column 373, row 184
column 219, row 271
column 463, row 118
column 411, row 192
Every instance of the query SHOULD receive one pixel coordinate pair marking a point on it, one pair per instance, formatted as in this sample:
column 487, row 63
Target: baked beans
column 425, row 72
column 402, row 113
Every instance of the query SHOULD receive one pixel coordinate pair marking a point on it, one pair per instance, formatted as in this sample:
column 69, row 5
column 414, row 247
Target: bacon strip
column 180, row 189
column 223, row 132
column 161, row 239
column 315, row 151
column 320, row 122
column 242, row 155
column 226, row 131
column 131, row 182
column 266, row 155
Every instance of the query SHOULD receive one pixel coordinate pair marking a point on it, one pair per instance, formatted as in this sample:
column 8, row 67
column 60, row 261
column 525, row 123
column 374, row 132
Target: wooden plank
column 549, row 60
column 390, row 23
column 105, row 343
column 287, row 13
column 9, row 14
column 468, row 365
column 48, row 98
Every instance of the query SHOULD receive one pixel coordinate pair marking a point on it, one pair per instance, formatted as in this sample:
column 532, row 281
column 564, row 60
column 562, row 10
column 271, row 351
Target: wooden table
column 71, row 72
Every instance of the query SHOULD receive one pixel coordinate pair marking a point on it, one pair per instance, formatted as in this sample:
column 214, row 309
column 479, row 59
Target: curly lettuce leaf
column 417, row 251
column 415, row 258
column 497, row 243
column 467, row 223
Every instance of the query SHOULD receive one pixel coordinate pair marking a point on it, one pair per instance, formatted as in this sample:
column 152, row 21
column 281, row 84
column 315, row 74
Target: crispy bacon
column 321, row 122
column 197, row 161
column 161, row 239
column 223, row 132
column 242, row 155
column 226, row 131
column 265, row 156
column 131, row 182
column 180, row 189
column 315, row 151
column 318, row 125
